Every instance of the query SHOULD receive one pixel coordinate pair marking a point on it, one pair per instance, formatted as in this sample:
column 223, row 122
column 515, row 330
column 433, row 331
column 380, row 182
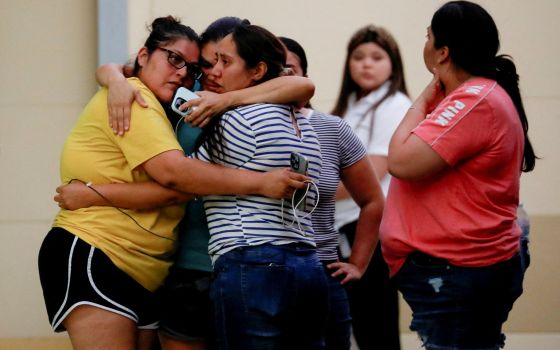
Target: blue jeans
column 455, row 308
column 270, row 298
column 339, row 322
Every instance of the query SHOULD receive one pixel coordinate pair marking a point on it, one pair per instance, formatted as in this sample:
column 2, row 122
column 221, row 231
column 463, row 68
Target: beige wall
column 528, row 32
column 47, row 63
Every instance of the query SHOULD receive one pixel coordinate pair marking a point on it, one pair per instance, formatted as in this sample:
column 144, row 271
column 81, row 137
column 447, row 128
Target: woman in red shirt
column 449, row 232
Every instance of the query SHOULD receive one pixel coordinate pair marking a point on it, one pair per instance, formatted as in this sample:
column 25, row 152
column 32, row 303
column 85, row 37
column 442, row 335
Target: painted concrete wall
column 47, row 64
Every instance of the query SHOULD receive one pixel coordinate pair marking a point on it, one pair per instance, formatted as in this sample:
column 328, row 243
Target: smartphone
column 181, row 96
column 299, row 164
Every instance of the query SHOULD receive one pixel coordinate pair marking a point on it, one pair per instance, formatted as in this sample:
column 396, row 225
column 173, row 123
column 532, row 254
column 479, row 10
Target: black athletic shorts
column 74, row 273
column 185, row 306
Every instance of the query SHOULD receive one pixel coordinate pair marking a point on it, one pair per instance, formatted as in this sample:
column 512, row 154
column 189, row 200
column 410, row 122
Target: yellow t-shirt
column 92, row 152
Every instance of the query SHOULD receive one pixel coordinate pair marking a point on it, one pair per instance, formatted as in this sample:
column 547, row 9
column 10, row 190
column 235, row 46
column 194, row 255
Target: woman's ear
column 443, row 55
column 260, row 71
column 143, row 56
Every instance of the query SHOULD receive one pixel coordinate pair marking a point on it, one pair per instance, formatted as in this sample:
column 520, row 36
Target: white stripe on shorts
column 120, row 309
column 56, row 323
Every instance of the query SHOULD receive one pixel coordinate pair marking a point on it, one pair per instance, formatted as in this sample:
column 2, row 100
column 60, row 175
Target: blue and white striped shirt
column 260, row 137
column 340, row 148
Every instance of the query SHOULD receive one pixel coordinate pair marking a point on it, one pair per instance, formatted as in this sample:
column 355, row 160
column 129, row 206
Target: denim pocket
column 263, row 288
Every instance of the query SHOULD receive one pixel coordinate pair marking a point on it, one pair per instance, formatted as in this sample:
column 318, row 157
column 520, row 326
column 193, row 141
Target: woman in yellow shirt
column 99, row 268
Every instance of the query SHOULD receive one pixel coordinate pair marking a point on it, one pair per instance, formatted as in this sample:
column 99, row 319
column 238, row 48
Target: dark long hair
column 220, row 28
column 473, row 40
column 164, row 30
column 295, row 48
column 381, row 37
column 254, row 45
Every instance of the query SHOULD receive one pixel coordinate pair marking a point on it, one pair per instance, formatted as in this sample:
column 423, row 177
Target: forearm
column 410, row 158
column 281, row 90
column 209, row 180
column 109, row 73
column 412, row 118
column 400, row 151
column 380, row 167
column 367, row 235
column 141, row 195
column 362, row 184
column 415, row 115
column 172, row 169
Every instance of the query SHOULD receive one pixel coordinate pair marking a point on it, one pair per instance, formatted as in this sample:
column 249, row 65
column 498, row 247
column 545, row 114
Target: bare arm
column 139, row 195
column 172, row 169
column 108, row 72
column 283, row 90
column 410, row 158
column 120, row 95
column 361, row 181
column 380, row 166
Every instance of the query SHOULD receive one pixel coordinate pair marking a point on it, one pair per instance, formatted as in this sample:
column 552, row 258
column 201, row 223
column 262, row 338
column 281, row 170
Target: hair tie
column 286, row 71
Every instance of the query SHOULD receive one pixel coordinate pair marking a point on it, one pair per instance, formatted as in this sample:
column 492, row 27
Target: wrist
column 116, row 79
column 258, row 184
column 232, row 98
column 419, row 108
column 92, row 197
column 420, row 105
column 360, row 265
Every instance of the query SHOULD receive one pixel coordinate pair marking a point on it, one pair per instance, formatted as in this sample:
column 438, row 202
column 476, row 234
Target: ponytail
column 506, row 75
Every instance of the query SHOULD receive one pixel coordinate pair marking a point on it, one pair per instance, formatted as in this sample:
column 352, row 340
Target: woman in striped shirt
column 269, row 287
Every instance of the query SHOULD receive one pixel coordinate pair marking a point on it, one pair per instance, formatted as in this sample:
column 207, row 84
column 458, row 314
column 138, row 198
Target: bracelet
column 88, row 184
column 417, row 109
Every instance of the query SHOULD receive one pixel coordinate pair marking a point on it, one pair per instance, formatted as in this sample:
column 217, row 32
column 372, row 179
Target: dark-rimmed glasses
column 179, row 62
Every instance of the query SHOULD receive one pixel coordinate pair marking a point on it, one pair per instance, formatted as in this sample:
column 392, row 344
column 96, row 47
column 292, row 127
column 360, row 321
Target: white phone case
column 181, row 96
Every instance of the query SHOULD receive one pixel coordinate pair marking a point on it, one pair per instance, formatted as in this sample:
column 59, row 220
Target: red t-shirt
column 465, row 214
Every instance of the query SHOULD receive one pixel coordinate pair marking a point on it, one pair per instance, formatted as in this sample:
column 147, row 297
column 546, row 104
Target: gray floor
column 514, row 341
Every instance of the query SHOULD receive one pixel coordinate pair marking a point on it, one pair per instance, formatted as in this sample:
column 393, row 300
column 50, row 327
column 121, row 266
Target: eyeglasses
column 179, row 62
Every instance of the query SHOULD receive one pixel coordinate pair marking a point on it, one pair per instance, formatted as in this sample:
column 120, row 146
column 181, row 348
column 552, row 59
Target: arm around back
column 172, row 169
column 137, row 195
column 282, row 90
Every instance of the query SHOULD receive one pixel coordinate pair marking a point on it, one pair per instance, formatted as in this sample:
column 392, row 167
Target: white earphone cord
column 297, row 219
